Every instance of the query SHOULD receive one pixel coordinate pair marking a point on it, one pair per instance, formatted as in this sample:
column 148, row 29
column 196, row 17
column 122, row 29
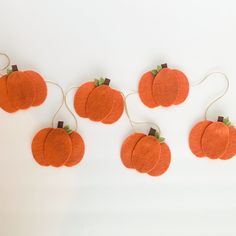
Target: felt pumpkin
column 146, row 153
column 99, row 102
column 216, row 140
column 58, row 146
column 163, row 87
column 21, row 90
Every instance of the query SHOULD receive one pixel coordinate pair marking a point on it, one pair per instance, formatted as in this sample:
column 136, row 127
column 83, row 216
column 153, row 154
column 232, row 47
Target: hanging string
column 132, row 122
column 7, row 63
column 62, row 102
column 219, row 97
column 68, row 108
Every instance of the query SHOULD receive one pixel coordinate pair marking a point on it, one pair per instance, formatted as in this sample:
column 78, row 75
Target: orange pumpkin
column 146, row 153
column 21, row 90
column 216, row 140
column 58, row 147
column 99, row 102
column 163, row 87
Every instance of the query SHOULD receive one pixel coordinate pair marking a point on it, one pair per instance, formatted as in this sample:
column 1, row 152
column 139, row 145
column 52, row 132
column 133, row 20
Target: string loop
column 220, row 96
column 7, row 63
column 62, row 103
column 132, row 122
column 68, row 108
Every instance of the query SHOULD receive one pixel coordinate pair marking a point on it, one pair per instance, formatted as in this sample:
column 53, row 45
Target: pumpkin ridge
column 78, row 149
column 215, row 140
column 165, row 87
column 99, row 103
column 127, row 148
column 58, row 147
column 81, row 97
column 117, row 108
column 141, row 159
column 6, row 104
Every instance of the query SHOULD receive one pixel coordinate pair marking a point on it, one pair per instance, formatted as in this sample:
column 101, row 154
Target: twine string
column 220, row 96
column 7, row 63
column 62, row 101
column 69, row 109
column 136, row 123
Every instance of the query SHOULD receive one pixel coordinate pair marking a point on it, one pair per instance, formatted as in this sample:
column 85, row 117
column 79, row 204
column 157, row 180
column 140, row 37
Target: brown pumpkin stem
column 220, row 119
column 107, row 81
column 152, row 132
column 60, row 124
column 14, row 68
column 164, row 65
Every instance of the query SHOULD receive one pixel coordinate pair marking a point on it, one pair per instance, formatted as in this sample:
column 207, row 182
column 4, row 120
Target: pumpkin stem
column 225, row 120
column 107, row 81
column 158, row 69
column 152, row 132
column 14, row 68
column 220, row 119
column 102, row 81
column 164, row 65
column 60, row 124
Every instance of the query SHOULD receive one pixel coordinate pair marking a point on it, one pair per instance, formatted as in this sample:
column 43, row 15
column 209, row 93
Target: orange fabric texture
column 81, row 97
column 5, row 102
column 99, row 103
column 168, row 87
column 38, row 146
column 195, row 138
column 78, row 149
column 215, row 140
column 55, row 147
column 231, row 148
column 164, row 162
column 145, row 90
column 58, row 147
column 117, row 108
column 165, row 87
column 146, row 154
column 40, row 87
column 183, row 87
column 21, row 90
column 128, row 147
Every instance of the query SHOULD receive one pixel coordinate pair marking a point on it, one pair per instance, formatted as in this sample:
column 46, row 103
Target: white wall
column 70, row 42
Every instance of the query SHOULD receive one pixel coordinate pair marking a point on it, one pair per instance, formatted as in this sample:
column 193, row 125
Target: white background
column 71, row 42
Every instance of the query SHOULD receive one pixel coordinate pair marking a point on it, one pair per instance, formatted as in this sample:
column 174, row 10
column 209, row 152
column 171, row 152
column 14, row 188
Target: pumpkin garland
column 21, row 90
column 163, row 87
column 215, row 140
column 58, row 146
column 146, row 153
column 99, row 102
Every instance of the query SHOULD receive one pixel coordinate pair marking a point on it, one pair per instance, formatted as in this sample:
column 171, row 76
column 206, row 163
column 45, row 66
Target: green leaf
column 9, row 71
column 159, row 68
column 101, row 81
column 66, row 127
column 157, row 135
column 154, row 72
column 161, row 139
column 96, row 81
column 69, row 131
column 227, row 121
